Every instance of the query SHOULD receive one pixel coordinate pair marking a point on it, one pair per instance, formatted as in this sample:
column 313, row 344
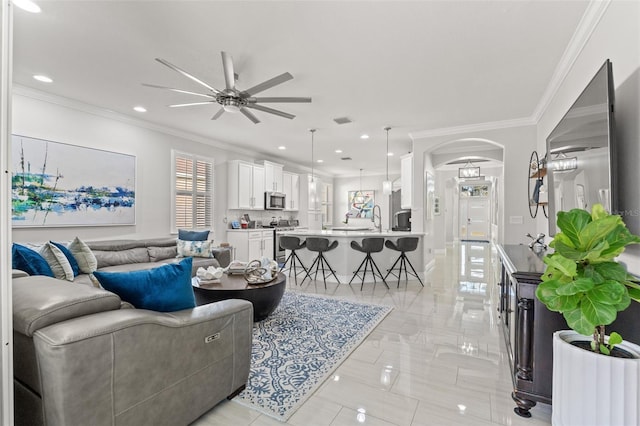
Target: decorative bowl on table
column 255, row 273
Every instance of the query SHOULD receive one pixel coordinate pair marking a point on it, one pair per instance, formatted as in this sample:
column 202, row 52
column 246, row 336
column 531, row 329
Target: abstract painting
column 361, row 204
column 55, row 184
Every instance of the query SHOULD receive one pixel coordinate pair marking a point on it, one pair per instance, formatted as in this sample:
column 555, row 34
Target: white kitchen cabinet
column 251, row 244
column 258, row 188
column 406, row 178
column 273, row 177
column 291, row 189
column 245, row 186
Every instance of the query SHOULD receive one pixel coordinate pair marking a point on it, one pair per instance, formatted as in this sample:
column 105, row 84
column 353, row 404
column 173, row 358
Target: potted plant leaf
column 596, row 378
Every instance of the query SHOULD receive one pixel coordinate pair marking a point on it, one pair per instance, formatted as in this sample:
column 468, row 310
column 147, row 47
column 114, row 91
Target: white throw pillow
column 194, row 248
column 57, row 261
column 87, row 262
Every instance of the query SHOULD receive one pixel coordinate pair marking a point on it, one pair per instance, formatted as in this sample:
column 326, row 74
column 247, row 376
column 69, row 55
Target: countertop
column 350, row 234
column 521, row 261
column 249, row 229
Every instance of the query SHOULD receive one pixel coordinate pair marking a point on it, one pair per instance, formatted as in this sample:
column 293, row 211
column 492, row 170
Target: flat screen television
column 581, row 151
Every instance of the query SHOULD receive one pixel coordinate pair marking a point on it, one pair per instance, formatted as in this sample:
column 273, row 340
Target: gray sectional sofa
column 82, row 357
column 131, row 255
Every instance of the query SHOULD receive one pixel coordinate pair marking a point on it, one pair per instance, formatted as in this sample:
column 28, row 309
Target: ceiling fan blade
column 268, row 84
column 278, row 100
column 271, row 111
column 186, row 74
column 249, row 115
column 218, row 114
column 191, row 104
column 178, row 90
column 229, row 75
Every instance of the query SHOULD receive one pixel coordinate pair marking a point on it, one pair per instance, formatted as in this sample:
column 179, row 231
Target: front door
column 474, row 210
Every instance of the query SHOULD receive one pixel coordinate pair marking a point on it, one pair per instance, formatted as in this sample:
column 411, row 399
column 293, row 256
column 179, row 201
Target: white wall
column 616, row 37
column 65, row 121
column 517, row 143
column 443, row 224
column 341, row 188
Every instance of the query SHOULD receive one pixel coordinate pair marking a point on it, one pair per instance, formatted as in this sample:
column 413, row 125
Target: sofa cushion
column 30, row 261
column 72, row 260
column 195, row 248
column 86, row 260
column 164, row 289
column 186, row 235
column 57, row 261
column 121, row 257
column 114, row 245
column 161, row 253
column 40, row 301
column 160, row 242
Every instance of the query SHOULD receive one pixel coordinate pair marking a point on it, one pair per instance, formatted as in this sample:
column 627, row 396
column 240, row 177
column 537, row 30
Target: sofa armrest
column 135, row 366
column 17, row 273
column 39, row 301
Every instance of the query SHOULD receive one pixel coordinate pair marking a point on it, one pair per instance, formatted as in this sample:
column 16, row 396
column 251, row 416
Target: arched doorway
column 469, row 206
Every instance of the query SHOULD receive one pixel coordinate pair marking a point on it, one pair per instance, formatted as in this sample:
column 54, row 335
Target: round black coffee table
column 265, row 297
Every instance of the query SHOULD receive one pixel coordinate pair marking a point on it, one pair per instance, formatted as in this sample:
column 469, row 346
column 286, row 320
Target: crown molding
column 29, row 92
column 491, row 125
column 587, row 25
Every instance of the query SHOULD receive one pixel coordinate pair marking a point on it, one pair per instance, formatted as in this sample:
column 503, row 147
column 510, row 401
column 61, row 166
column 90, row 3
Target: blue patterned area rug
column 299, row 345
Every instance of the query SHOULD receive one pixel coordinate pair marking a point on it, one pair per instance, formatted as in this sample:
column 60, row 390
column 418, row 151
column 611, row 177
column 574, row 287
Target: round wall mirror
column 537, row 194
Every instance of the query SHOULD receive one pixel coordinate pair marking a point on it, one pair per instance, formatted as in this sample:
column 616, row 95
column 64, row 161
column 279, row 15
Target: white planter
column 590, row 389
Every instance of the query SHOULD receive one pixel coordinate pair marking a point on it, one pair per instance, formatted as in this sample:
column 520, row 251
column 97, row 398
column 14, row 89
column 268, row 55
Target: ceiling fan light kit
column 231, row 105
column 231, row 99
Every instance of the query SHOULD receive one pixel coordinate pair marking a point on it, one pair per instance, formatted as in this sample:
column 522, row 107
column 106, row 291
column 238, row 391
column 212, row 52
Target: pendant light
column 387, row 185
column 469, row 171
column 312, row 184
column 359, row 196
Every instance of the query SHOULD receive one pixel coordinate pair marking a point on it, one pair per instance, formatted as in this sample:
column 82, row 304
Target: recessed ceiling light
column 27, row 5
column 389, row 154
column 140, row 109
column 43, row 78
column 320, row 161
column 282, row 147
column 338, row 151
column 365, row 136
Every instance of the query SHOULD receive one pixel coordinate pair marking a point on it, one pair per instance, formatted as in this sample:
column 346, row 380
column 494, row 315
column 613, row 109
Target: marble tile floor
column 438, row 358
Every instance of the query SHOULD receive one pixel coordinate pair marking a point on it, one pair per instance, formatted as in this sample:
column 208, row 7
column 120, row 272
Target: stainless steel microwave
column 274, row 200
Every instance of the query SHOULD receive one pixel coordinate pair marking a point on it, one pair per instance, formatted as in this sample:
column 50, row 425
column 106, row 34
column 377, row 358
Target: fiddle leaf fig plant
column 582, row 279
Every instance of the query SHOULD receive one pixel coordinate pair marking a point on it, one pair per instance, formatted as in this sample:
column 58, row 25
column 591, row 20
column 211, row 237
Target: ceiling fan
column 231, row 98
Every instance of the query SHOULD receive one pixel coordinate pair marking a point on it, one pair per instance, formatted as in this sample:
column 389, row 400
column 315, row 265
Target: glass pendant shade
column 387, row 187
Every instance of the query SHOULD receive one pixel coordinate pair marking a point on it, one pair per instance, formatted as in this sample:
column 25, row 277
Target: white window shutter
column 192, row 192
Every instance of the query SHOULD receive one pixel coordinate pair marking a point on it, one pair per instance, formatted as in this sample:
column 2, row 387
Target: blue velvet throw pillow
column 186, row 235
column 72, row 260
column 163, row 289
column 29, row 261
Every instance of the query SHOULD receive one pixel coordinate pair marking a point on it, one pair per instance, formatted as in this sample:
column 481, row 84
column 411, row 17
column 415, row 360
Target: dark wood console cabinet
column 528, row 326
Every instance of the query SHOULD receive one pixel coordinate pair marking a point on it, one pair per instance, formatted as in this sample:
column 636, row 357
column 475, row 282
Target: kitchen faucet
column 379, row 216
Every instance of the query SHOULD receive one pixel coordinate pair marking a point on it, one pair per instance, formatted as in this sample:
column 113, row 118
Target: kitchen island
column 345, row 260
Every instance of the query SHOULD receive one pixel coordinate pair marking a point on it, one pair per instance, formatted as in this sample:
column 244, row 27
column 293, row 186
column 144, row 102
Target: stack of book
column 236, row 268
